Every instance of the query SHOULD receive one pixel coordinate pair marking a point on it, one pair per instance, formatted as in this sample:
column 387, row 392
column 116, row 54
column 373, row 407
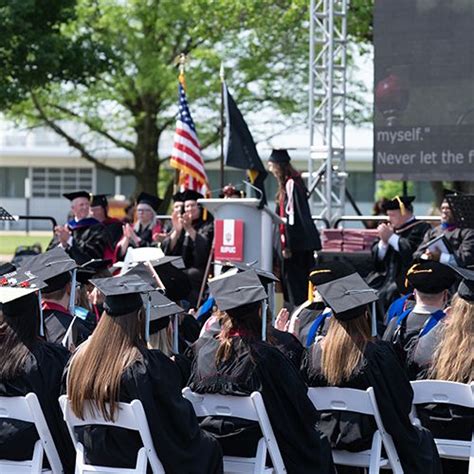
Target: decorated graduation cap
column 401, row 203
column 280, row 156
column 153, row 201
column 325, row 272
column 53, row 267
column 77, row 194
column 234, row 291
column 348, row 298
column 99, row 200
column 122, row 294
column 430, row 277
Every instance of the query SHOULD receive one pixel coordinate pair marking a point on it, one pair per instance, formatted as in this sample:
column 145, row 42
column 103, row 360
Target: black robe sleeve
column 465, row 253
column 293, row 416
column 88, row 243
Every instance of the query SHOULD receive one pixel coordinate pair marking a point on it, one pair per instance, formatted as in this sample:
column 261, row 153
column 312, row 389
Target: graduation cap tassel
column 41, row 314
column 175, row 334
column 72, row 296
column 374, row 319
column 310, row 292
column 271, row 300
column 147, row 318
column 264, row 320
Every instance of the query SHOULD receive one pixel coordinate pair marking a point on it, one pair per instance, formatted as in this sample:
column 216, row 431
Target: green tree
column 130, row 104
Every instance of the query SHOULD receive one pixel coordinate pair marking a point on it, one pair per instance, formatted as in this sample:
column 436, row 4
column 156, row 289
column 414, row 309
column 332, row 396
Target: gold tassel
column 310, row 292
column 402, row 206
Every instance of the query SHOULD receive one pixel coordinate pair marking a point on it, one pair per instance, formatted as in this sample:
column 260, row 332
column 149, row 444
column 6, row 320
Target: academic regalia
column 313, row 323
column 460, row 240
column 394, row 395
column 287, row 344
column 404, row 330
column 180, row 445
column 57, row 320
column 41, row 375
column 399, row 306
column 389, row 273
column 301, row 238
column 257, row 366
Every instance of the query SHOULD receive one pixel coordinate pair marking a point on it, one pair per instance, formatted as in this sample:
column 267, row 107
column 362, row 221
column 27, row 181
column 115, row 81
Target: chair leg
column 37, row 460
column 260, row 457
column 375, row 453
column 471, row 456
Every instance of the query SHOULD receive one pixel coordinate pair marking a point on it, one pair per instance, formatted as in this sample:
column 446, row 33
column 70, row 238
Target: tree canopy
column 109, row 67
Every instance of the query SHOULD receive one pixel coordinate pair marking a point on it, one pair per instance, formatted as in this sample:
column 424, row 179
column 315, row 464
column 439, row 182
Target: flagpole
column 181, row 62
column 222, row 127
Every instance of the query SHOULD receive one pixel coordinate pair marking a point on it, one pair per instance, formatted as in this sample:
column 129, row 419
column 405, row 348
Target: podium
column 257, row 227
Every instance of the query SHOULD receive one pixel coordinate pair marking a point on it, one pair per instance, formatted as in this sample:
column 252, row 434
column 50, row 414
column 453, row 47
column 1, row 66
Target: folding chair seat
column 363, row 402
column 248, row 408
column 130, row 416
column 28, row 409
column 452, row 393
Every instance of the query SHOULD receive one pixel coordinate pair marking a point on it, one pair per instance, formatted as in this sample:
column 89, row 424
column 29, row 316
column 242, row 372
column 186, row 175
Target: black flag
column 240, row 150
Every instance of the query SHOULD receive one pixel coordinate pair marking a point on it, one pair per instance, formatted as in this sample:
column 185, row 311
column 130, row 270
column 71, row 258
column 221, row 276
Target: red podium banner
column 229, row 240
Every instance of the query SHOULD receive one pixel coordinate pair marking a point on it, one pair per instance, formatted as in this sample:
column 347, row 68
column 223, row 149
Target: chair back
column 128, row 415
column 249, row 408
column 441, row 391
column 28, row 409
column 357, row 401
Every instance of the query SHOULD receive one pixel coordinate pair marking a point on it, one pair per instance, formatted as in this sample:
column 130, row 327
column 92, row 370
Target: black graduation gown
column 195, row 253
column 57, row 322
column 394, row 395
column 182, row 447
column 389, row 274
column 406, row 334
column 287, row 344
column 41, row 375
column 461, row 241
column 257, row 366
column 307, row 317
column 302, row 239
column 114, row 231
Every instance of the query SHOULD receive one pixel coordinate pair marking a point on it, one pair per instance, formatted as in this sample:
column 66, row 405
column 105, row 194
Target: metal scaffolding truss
column 327, row 107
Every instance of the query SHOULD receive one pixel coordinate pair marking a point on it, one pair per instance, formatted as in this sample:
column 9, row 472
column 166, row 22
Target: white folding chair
column 363, row 402
column 130, row 416
column 28, row 409
column 248, row 408
column 453, row 393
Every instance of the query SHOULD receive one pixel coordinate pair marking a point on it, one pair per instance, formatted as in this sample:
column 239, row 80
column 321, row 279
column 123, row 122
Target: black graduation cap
column 466, row 287
column 88, row 270
column 161, row 310
column 122, row 294
column 431, row 277
column 99, row 200
column 237, row 290
column 265, row 276
column 191, row 195
column 398, row 202
column 178, row 197
column 279, row 156
column 146, row 273
column 53, row 267
column 462, row 207
column 347, row 296
column 174, row 279
column 17, row 292
column 150, row 199
column 77, row 194
column 449, row 192
column 7, row 268
column 329, row 271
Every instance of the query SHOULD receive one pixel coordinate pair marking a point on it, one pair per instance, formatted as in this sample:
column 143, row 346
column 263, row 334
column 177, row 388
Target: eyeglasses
column 143, row 210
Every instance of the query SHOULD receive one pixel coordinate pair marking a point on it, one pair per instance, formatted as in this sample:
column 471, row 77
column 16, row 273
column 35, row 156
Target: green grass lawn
column 8, row 243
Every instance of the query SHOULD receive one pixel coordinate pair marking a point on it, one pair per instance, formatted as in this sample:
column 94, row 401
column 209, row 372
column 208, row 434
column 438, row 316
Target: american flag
column 186, row 155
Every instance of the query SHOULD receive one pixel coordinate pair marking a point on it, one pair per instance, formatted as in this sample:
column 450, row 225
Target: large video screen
column 424, row 90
